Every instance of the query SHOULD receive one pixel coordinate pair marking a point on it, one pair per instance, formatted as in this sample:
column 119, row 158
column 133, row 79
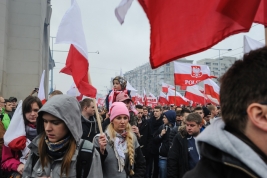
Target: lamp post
column 220, row 57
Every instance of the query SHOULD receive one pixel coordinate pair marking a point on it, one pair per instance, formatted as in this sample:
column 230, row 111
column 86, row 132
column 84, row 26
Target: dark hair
column 242, row 85
column 158, row 107
column 185, row 110
column 166, row 108
column 27, row 106
column 178, row 113
column 145, row 108
column 198, row 108
column 139, row 106
column 194, row 117
column 86, row 102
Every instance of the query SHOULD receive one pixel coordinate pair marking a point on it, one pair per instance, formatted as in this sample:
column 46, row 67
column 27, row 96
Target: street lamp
column 220, row 57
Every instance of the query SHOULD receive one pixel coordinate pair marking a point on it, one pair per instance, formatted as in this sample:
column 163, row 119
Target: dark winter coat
column 163, row 141
column 178, row 155
column 90, row 128
column 154, row 126
column 145, row 137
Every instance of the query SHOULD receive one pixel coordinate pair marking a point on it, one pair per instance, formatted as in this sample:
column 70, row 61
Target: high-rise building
column 218, row 67
column 143, row 77
column 24, row 45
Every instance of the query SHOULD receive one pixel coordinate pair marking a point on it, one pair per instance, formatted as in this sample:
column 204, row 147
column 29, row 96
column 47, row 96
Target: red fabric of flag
column 77, row 67
column 261, row 16
column 180, row 28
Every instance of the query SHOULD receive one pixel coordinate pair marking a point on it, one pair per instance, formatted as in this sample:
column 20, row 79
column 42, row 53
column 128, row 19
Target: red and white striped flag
column 163, row 99
column 178, row 99
column 70, row 31
column 193, row 93
column 212, row 90
column 41, row 92
column 122, row 9
column 165, row 87
column 190, row 74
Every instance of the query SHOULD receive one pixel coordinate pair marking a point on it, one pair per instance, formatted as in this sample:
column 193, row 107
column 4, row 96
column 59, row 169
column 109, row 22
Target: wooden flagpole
column 96, row 109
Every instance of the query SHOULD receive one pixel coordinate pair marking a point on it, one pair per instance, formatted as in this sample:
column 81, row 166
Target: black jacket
column 145, row 137
column 163, row 141
column 173, row 132
column 177, row 164
column 218, row 164
column 154, row 126
column 90, row 128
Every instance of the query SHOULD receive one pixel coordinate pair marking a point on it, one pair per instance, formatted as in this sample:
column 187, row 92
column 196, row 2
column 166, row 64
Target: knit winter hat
column 122, row 82
column 118, row 108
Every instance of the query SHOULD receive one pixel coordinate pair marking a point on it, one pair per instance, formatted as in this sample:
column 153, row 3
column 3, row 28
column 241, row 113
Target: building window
column 215, row 64
column 215, row 68
column 207, row 63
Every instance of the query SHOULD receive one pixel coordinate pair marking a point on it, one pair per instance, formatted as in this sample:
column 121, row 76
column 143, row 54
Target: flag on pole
column 193, row 93
column 122, row 9
column 163, row 99
column 190, row 74
column 41, row 92
column 70, row 31
column 251, row 44
column 151, row 95
column 212, row 89
column 181, row 28
column 165, row 87
column 144, row 98
column 178, row 99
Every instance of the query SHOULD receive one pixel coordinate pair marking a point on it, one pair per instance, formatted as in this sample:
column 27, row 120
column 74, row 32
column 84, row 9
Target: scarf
column 54, row 147
column 119, row 145
column 31, row 131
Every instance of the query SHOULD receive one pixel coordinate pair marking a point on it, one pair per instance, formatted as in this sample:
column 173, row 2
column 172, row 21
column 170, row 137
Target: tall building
column 218, row 67
column 24, row 45
column 143, row 77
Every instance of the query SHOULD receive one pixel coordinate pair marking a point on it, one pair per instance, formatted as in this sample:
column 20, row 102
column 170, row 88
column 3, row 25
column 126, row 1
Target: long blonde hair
column 130, row 142
column 44, row 158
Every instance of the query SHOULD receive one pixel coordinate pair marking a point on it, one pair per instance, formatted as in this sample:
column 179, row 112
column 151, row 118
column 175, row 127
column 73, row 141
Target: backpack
column 84, row 159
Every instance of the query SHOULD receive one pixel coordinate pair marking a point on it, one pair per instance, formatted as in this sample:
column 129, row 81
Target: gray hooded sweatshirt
column 68, row 110
column 216, row 136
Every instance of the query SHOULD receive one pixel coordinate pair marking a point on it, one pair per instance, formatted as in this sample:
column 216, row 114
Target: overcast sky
column 121, row 46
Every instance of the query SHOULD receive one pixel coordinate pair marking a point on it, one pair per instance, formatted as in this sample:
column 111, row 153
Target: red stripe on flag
column 178, row 101
column 195, row 98
column 77, row 66
column 18, row 143
column 210, row 91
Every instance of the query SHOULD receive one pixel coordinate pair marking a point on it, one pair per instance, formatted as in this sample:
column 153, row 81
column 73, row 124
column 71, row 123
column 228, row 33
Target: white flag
column 122, row 9
column 251, row 44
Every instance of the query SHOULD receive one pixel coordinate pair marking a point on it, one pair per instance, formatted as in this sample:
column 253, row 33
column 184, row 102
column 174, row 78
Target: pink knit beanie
column 118, row 108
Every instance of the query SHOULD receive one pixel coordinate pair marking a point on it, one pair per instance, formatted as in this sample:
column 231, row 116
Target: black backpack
column 84, row 159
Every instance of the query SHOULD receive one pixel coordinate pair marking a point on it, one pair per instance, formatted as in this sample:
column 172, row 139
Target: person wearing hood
column 162, row 137
column 183, row 155
column 124, row 157
column 54, row 152
column 235, row 144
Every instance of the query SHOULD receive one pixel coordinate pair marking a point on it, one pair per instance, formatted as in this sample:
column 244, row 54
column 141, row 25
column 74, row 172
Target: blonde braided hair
column 130, row 142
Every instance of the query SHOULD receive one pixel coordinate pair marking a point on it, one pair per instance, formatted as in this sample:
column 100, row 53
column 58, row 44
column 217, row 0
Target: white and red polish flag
column 190, row 74
column 15, row 136
column 178, row 99
column 163, row 99
column 165, row 87
column 70, row 31
column 193, row 93
column 41, row 92
column 73, row 91
column 144, row 98
column 212, row 89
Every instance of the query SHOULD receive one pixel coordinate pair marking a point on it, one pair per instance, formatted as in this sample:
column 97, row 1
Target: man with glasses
column 235, row 144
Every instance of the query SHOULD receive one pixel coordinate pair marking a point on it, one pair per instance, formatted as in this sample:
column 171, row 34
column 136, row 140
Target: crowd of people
column 63, row 138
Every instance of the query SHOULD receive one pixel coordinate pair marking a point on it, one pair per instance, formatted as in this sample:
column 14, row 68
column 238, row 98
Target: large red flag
column 180, row 27
column 70, row 31
column 261, row 16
